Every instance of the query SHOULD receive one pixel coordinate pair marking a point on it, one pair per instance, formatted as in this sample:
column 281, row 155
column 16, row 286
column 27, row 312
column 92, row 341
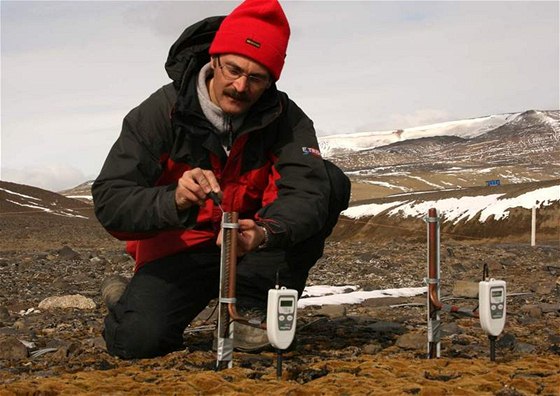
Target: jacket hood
column 191, row 49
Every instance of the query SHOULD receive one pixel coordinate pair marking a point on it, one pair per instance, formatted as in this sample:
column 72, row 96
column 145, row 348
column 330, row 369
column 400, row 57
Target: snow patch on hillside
column 37, row 204
column 458, row 209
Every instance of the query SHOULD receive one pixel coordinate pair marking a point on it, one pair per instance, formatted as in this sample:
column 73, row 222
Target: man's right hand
column 193, row 188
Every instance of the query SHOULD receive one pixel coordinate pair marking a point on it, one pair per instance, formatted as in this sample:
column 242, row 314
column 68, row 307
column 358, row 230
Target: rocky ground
column 374, row 347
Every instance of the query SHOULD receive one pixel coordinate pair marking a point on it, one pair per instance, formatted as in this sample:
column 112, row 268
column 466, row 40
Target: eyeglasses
column 233, row 73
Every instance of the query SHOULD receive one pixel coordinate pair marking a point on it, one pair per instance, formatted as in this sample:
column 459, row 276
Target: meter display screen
column 497, row 295
column 286, row 305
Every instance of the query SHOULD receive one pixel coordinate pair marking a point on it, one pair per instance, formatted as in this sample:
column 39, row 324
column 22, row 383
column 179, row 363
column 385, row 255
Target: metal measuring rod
column 228, row 260
column 433, row 304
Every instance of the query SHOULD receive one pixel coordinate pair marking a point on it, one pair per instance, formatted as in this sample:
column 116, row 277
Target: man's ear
column 213, row 59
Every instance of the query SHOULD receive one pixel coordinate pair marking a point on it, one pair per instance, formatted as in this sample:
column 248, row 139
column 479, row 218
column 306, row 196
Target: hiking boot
column 112, row 289
column 254, row 315
column 248, row 337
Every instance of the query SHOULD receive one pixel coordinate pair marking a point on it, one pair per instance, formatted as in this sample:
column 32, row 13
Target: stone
column 60, row 284
column 507, row 261
column 4, row 313
column 96, row 342
column 494, row 267
column 449, row 329
column 545, row 288
column 532, row 310
column 12, row 349
column 466, row 289
column 8, row 331
column 384, row 301
column 554, row 339
column 507, row 340
column 332, row 311
column 450, row 252
column 20, row 324
column 547, row 308
column 458, row 268
column 527, row 320
column 523, row 347
column 68, row 301
column 386, row 327
column 121, row 259
column 67, row 347
column 372, row 349
column 67, row 253
column 412, row 341
column 553, row 269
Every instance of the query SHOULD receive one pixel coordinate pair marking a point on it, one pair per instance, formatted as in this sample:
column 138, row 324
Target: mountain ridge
column 467, row 128
column 525, row 148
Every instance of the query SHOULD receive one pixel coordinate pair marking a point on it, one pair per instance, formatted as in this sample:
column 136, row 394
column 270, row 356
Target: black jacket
column 273, row 174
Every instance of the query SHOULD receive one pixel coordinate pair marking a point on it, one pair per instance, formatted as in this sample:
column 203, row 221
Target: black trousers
column 164, row 296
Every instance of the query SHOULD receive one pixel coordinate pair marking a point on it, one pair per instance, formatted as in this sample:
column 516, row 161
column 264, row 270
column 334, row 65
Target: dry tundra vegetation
column 377, row 346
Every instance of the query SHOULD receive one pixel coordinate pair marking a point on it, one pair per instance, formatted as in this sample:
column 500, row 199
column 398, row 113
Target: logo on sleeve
column 311, row 151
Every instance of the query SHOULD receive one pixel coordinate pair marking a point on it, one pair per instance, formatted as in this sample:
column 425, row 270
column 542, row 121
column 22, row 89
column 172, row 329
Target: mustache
column 239, row 96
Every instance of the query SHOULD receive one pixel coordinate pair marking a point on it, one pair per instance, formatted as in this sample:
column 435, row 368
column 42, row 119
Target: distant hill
column 513, row 148
column 21, row 199
column 81, row 192
column 475, row 213
column 35, row 219
column 467, row 129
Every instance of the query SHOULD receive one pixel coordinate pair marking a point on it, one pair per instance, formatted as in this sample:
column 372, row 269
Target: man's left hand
column 250, row 236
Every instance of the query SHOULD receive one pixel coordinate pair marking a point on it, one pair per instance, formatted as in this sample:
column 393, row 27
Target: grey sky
column 72, row 70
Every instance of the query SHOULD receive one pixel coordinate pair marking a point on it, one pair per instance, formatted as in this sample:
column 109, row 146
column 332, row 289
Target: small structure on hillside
column 492, row 183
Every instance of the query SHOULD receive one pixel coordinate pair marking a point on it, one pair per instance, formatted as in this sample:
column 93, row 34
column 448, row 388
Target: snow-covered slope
column 512, row 148
column 81, row 192
column 468, row 128
column 17, row 199
column 456, row 209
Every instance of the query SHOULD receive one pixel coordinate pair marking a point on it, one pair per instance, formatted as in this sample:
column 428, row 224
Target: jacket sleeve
column 300, row 208
column 127, row 201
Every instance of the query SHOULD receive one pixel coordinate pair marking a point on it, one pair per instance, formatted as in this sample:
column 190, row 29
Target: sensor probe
column 216, row 199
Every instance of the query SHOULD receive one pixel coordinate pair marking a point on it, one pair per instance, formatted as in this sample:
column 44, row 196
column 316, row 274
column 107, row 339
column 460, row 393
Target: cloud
column 168, row 19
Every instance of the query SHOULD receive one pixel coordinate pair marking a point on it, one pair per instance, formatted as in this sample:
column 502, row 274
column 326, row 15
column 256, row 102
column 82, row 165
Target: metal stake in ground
column 225, row 323
column 434, row 323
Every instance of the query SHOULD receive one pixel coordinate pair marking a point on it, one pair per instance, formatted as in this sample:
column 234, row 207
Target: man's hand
column 249, row 238
column 194, row 186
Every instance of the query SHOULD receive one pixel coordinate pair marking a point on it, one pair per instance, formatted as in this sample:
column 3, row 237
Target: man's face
column 238, row 83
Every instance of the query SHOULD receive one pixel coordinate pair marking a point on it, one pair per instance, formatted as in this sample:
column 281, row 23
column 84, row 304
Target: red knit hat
column 257, row 29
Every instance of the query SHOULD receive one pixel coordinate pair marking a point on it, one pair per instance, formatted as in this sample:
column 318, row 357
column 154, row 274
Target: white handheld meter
column 492, row 306
column 281, row 317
